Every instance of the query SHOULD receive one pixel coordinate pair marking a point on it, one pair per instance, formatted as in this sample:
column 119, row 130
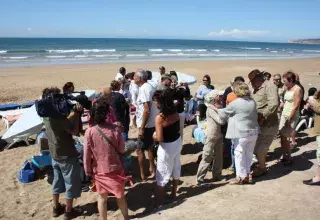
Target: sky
column 252, row 20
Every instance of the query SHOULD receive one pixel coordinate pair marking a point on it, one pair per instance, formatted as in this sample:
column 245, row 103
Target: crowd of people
column 241, row 120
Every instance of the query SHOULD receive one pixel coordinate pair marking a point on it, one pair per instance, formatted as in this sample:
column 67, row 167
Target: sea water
column 43, row 51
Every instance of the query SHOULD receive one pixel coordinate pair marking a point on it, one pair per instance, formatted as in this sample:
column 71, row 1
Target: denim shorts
column 66, row 178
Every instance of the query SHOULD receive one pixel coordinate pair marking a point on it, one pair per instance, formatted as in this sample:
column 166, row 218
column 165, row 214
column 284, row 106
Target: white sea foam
column 3, row 51
column 311, row 51
column 188, row 50
column 216, row 50
column 155, row 50
column 252, row 48
column 273, row 51
column 136, row 55
column 107, row 55
column 174, row 50
column 200, row 50
column 55, row 57
column 80, row 56
column 82, row 50
column 17, row 58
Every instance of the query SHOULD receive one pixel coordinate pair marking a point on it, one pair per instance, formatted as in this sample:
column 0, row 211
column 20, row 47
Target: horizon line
column 140, row 38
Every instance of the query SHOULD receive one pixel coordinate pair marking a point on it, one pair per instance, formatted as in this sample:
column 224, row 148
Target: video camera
column 57, row 105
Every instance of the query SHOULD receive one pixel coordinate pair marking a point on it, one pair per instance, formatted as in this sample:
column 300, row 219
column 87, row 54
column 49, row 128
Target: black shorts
column 148, row 138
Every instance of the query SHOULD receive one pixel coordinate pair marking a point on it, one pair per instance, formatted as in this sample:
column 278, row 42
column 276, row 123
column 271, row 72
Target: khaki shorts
column 265, row 138
column 285, row 128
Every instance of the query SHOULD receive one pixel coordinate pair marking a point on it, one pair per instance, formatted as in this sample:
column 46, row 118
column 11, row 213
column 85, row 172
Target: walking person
column 243, row 129
column 170, row 144
column 290, row 114
column 103, row 146
column 265, row 94
column 213, row 146
column 146, row 114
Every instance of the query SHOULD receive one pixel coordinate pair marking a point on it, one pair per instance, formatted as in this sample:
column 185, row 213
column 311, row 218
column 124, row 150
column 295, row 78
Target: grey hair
column 143, row 75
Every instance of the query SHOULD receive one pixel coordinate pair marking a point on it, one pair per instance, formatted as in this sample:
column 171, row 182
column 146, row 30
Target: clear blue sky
column 271, row 20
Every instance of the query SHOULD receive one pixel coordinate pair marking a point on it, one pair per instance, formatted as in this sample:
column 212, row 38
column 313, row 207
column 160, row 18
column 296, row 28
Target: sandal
column 257, row 172
column 240, row 181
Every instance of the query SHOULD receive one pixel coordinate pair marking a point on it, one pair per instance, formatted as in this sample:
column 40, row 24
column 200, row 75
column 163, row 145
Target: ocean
column 44, row 51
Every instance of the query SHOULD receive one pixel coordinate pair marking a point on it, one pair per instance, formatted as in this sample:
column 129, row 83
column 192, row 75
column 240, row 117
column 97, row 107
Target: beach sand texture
column 279, row 195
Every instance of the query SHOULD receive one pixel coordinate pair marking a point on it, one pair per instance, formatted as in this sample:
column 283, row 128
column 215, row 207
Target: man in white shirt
column 146, row 114
column 121, row 74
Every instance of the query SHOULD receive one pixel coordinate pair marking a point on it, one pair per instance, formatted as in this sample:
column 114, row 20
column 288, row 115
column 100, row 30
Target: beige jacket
column 267, row 100
column 213, row 124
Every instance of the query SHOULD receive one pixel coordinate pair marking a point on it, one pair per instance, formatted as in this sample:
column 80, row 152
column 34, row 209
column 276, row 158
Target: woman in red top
column 102, row 146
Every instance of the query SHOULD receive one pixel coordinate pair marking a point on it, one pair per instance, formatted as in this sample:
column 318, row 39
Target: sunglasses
column 277, row 79
column 204, row 80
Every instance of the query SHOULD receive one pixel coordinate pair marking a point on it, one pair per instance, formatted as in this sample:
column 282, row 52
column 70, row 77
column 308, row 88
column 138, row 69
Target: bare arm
column 296, row 102
column 159, row 129
column 146, row 114
column 87, row 154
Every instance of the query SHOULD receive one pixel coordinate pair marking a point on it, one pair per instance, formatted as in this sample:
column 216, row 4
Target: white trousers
column 168, row 162
column 243, row 153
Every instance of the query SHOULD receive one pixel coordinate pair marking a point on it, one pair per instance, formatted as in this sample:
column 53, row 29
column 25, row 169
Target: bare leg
column 317, row 177
column 69, row 204
column 293, row 138
column 122, row 203
column 161, row 191
column 174, row 189
column 152, row 166
column 55, row 199
column 102, row 206
column 286, row 150
column 262, row 160
column 141, row 159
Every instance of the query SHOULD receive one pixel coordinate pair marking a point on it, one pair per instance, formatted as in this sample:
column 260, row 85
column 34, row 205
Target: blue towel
column 199, row 135
column 7, row 107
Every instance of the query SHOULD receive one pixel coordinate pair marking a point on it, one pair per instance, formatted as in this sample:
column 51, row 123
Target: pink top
column 111, row 117
column 99, row 155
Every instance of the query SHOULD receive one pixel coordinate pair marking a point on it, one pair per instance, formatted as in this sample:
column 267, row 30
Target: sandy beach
column 26, row 83
column 279, row 195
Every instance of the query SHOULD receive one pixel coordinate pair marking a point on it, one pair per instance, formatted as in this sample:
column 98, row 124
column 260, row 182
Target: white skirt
column 168, row 162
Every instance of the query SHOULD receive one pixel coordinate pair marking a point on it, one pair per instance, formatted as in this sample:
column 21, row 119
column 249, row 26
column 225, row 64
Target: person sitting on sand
column 314, row 104
column 170, row 144
column 103, row 145
column 243, row 129
column 202, row 91
column 66, row 167
column 213, row 147
column 146, row 113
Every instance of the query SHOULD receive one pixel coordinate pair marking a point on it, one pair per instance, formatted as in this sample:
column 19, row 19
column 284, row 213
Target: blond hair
column 242, row 90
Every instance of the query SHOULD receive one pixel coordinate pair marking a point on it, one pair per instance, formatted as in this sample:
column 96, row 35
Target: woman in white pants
column 170, row 144
column 243, row 129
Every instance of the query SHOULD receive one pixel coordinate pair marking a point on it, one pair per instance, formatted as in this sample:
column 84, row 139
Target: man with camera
column 66, row 167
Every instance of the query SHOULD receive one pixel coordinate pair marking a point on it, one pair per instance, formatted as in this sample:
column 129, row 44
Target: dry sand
column 279, row 195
